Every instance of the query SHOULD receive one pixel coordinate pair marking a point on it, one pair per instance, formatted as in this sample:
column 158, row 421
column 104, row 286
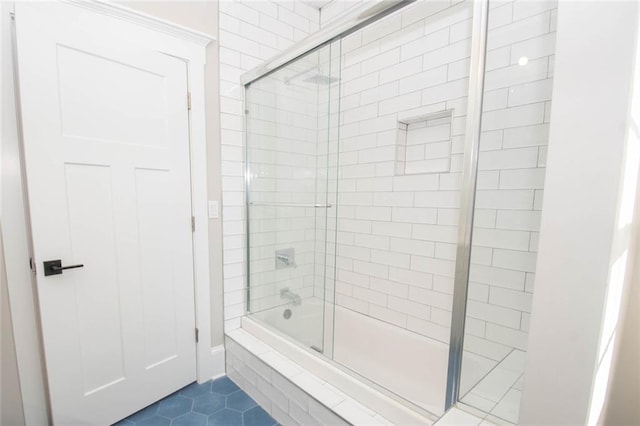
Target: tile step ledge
column 458, row 417
column 337, row 401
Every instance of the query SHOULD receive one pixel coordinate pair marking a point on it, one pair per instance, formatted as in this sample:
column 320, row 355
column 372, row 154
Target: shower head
column 320, row 79
column 313, row 75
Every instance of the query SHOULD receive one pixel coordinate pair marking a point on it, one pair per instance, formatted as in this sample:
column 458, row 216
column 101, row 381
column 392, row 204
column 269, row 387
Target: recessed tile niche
column 423, row 144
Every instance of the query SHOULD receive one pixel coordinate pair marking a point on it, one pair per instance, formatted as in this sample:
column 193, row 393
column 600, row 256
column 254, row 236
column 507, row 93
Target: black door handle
column 54, row 267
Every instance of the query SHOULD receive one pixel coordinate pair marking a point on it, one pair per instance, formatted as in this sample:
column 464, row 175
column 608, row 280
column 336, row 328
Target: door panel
column 90, row 202
column 106, row 142
column 95, row 109
column 158, row 284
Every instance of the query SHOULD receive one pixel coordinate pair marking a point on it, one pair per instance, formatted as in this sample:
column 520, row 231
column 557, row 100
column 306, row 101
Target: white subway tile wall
column 396, row 235
column 335, row 9
column 250, row 33
column 397, row 223
column 390, row 237
column 524, row 33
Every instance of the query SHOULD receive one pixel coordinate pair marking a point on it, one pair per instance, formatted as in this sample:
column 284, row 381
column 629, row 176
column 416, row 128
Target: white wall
column 250, row 33
column 617, row 404
column 581, row 247
column 621, row 407
column 617, row 376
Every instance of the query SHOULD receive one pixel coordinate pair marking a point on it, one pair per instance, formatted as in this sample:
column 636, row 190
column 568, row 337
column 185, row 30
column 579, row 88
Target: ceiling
column 316, row 4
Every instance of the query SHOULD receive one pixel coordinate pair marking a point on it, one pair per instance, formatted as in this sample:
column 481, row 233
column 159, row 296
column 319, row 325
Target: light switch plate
column 213, row 209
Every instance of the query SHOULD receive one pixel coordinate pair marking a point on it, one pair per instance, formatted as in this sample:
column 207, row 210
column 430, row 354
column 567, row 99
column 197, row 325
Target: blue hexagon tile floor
column 215, row 403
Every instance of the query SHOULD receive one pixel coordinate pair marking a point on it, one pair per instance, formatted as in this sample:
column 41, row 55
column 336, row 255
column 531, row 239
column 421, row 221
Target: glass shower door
column 404, row 95
column 287, row 135
column 508, row 205
column 356, row 181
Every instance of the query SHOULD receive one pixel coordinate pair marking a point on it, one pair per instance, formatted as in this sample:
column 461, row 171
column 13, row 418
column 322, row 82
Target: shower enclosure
column 395, row 171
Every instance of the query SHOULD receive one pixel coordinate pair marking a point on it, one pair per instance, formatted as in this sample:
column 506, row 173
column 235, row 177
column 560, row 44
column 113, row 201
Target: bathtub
column 408, row 368
column 305, row 325
column 408, row 364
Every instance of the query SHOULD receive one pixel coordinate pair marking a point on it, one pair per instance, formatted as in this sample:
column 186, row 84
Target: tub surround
column 354, row 402
column 385, row 253
column 268, row 378
column 299, row 392
column 367, row 346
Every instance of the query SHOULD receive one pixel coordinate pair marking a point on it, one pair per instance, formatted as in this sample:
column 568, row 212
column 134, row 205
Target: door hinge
column 32, row 265
column 189, row 101
column 197, row 335
column 193, row 224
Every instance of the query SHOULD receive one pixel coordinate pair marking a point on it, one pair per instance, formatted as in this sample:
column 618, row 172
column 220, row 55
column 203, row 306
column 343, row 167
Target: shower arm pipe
column 364, row 15
column 467, row 201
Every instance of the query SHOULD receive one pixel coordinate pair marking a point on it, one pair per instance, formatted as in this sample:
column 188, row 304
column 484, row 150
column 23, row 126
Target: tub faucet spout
column 294, row 298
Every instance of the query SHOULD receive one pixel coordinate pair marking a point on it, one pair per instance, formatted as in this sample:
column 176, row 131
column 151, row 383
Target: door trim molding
column 142, row 19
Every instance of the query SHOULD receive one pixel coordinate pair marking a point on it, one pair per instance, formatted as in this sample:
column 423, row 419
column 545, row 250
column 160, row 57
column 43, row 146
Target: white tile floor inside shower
column 498, row 392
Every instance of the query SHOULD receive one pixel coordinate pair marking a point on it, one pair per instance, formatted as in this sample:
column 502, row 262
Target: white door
column 106, row 141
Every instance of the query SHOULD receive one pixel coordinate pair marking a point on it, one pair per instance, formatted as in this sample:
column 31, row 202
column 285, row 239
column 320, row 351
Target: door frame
column 167, row 38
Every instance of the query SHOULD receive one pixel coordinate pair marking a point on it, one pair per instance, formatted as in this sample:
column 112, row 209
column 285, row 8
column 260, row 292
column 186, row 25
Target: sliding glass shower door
column 289, row 120
column 508, row 204
column 354, row 155
column 394, row 183
column 404, row 91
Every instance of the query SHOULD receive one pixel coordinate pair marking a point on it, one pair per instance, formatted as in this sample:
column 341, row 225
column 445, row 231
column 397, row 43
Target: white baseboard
column 218, row 361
